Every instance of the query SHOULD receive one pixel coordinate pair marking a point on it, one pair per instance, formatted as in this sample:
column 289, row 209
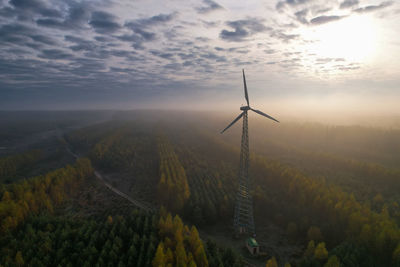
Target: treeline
column 42, row 193
column 364, row 179
column 326, row 213
column 172, row 188
column 15, row 165
column 58, row 241
column 85, row 138
column 356, row 142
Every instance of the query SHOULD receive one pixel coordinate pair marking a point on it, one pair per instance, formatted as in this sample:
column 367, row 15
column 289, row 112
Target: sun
column 354, row 39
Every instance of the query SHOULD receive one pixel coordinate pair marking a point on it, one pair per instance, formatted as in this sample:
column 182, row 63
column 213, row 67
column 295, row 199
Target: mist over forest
column 152, row 187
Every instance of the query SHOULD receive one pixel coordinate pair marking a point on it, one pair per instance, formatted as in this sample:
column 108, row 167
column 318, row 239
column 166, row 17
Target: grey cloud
column 237, row 35
column 103, row 39
column 372, row 8
column 98, row 53
column 242, row 29
column 244, row 51
column 173, row 66
column 210, row 24
column 280, row 35
column 104, row 22
column 122, row 53
column 186, row 56
column 151, row 21
column 77, row 17
column 86, row 66
column 270, row 51
column 24, row 9
column 80, row 44
column 43, row 39
column 323, row 10
column 13, row 30
column 26, row 4
column 302, row 16
column 54, row 23
column 323, row 60
column 239, row 50
column 78, row 14
column 48, row 12
column 345, row 68
column 161, row 54
column 35, row 46
column 202, row 39
column 213, row 56
column 147, row 36
column 282, row 4
column 18, row 34
column 348, row 3
column 55, row 54
column 210, row 5
column 140, row 30
column 7, row 12
column 135, row 39
column 325, row 19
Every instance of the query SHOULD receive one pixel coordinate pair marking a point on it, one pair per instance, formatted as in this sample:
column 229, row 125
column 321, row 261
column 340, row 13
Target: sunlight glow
column 353, row 38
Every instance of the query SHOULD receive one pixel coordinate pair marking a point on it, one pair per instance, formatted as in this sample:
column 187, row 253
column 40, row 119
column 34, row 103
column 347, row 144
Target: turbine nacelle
column 245, row 108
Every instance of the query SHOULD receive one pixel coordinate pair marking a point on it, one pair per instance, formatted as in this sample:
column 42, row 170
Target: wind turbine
column 243, row 221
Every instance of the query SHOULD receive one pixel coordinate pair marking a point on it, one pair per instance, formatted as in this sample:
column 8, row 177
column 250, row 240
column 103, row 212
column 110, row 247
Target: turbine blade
column 246, row 95
column 233, row 122
column 263, row 114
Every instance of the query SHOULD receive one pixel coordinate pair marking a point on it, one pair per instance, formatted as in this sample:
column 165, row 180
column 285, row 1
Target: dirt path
column 137, row 203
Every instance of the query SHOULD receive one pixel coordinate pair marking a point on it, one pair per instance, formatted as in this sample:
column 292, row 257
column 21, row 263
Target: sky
column 298, row 55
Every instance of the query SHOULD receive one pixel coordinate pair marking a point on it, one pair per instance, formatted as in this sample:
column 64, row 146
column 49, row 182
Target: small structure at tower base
column 252, row 246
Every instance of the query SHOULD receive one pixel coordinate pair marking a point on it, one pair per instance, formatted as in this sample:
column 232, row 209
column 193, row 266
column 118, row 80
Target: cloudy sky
column 189, row 54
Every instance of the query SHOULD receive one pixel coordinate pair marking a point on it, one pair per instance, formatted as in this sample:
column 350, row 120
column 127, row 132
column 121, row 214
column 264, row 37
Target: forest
column 324, row 195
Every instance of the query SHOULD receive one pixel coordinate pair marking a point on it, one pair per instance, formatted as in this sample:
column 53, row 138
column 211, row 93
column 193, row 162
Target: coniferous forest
column 133, row 188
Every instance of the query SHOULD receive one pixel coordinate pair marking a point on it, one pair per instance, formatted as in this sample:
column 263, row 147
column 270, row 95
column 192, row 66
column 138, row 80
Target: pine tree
column 180, row 254
column 169, row 256
column 201, row 257
column 19, row 261
column 159, row 259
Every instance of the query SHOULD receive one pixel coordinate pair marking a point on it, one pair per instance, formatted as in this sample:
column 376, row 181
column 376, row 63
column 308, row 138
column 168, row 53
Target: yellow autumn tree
column 180, row 254
column 160, row 258
column 271, row 262
column 320, row 252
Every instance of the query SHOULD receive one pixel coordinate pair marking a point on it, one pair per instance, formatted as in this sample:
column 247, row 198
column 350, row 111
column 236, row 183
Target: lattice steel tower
column 243, row 220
